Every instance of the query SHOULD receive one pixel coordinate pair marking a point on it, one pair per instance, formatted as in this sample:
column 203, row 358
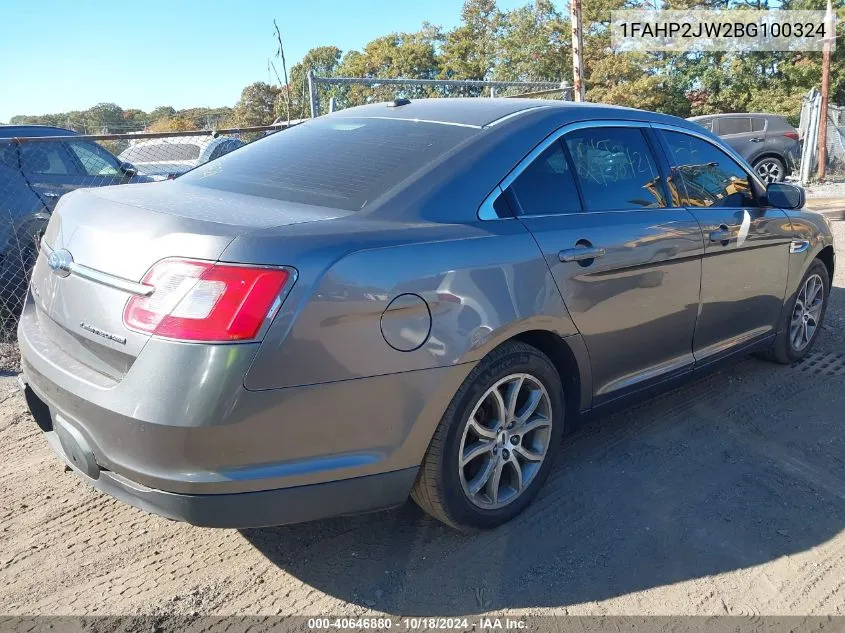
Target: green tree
column 257, row 105
column 397, row 55
column 534, row 44
column 469, row 50
column 105, row 117
column 324, row 61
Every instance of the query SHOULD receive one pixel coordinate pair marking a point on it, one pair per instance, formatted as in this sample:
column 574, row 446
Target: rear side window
column 734, row 125
column 224, row 148
column 615, row 169
column 547, row 185
column 710, row 177
column 707, row 124
column 48, row 158
column 758, row 124
column 337, row 162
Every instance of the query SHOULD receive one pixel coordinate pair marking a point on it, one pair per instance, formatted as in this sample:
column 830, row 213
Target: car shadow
column 738, row 468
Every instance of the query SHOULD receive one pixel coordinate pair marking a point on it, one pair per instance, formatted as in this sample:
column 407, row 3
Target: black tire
column 774, row 167
column 783, row 351
column 438, row 489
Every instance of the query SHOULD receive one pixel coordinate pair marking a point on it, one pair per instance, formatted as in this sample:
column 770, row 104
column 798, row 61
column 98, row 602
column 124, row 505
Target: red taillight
column 792, row 135
column 201, row 301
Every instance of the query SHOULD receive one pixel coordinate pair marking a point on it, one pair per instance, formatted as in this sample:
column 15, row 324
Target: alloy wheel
column 807, row 313
column 505, row 441
column 769, row 171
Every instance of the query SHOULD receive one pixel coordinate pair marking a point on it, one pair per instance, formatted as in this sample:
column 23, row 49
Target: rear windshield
column 342, row 163
column 161, row 152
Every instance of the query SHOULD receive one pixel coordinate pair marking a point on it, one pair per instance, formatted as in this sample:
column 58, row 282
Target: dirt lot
column 726, row 496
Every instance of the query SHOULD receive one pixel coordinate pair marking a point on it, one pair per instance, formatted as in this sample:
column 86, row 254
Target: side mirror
column 785, row 195
column 129, row 169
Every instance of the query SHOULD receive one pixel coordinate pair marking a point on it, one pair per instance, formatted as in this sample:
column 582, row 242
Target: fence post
column 312, row 93
column 332, row 104
column 811, row 136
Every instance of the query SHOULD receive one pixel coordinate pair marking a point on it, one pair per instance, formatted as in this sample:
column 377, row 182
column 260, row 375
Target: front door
column 746, row 247
column 627, row 264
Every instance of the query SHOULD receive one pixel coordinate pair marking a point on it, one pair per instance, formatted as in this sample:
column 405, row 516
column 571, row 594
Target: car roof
column 11, row 131
column 487, row 112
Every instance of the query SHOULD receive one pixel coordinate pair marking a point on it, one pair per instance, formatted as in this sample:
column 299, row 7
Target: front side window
column 546, row 186
column 710, row 177
column 95, row 162
column 615, row 169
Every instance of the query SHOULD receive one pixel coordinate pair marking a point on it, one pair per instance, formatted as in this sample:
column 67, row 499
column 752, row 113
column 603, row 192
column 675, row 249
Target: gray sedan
column 413, row 298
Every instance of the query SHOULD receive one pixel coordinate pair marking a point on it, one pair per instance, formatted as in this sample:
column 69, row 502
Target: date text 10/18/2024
column 483, row 623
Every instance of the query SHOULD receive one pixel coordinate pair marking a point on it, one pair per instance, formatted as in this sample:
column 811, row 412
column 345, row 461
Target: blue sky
column 60, row 55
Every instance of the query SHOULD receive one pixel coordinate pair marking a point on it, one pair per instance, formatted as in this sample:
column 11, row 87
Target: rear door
column 627, row 262
column 50, row 170
column 746, row 246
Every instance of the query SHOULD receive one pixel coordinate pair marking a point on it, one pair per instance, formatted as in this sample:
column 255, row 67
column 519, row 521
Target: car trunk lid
column 114, row 235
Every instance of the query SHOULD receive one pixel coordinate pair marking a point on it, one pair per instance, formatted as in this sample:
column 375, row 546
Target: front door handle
column 723, row 235
column 581, row 254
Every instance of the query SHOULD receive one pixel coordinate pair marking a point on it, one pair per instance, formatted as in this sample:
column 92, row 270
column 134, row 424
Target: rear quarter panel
column 481, row 283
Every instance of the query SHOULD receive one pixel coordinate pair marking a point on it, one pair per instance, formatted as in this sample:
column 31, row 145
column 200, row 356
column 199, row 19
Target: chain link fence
column 835, row 140
column 326, row 94
column 38, row 165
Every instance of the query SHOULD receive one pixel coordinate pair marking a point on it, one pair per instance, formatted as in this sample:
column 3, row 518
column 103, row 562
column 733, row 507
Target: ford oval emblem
column 60, row 262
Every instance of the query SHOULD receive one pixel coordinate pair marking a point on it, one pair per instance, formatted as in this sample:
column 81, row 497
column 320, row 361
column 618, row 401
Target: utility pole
column 829, row 26
column 577, row 49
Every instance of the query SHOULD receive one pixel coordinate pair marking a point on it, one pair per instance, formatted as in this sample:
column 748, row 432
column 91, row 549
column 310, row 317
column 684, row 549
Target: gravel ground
column 726, row 496
column 829, row 189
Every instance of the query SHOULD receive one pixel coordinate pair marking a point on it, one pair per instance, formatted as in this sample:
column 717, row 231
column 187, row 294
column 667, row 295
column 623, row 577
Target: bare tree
column 280, row 53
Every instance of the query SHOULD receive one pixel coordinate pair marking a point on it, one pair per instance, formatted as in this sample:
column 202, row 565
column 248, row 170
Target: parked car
column 171, row 156
column 413, row 298
column 767, row 141
column 33, row 176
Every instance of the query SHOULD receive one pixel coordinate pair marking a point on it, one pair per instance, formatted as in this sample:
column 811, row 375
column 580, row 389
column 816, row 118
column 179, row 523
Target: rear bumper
column 256, row 509
column 237, row 510
column 181, row 420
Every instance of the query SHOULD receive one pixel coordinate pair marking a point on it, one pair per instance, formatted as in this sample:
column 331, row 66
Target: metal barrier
column 35, row 171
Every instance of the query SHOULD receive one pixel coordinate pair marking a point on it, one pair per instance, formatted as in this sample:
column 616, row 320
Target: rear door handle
column 52, row 194
column 757, row 140
column 581, row 254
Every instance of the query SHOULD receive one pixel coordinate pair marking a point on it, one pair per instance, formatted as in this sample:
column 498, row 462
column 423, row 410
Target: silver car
column 413, row 298
column 169, row 157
